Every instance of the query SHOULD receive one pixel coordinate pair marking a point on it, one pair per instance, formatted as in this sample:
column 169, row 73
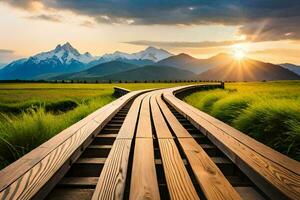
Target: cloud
column 174, row 44
column 7, row 55
column 6, row 51
column 25, row 4
column 52, row 18
column 279, row 52
column 273, row 29
column 88, row 24
column 257, row 19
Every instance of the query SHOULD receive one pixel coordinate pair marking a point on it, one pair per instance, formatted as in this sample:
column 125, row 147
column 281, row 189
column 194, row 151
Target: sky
column 266, row 30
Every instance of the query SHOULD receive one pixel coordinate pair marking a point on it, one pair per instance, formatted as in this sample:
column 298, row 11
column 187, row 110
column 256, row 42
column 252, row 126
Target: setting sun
column 239, row 54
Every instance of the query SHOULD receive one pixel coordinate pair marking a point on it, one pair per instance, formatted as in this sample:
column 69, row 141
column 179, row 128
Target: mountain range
column 197, row 66
column 62, row 59
column 66, row 59
column 291, row 67
column 66, row 63
column 248, row 70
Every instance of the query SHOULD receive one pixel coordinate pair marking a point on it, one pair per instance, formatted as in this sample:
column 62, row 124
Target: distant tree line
column 108, row 81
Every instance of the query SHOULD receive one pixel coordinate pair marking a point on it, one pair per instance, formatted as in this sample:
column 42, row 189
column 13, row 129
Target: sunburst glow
column 239, row 54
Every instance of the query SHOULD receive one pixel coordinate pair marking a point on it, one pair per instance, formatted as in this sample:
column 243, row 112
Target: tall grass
column 21, row 133
column 274, row 122
column 268, row 112
column 31, row 113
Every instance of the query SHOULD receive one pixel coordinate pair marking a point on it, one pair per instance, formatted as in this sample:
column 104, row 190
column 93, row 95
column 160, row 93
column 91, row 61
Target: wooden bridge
column 151, row 145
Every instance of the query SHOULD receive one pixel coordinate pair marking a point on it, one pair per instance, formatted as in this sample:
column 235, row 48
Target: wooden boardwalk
column 151, row 145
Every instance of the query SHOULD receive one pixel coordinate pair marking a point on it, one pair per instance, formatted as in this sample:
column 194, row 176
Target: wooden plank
column 178, row 129
column 162, row 130
column 25, row 177
column 143, row 178
column 210, row 178
column 78, row 182
column 260, row 148
column 249, row 193
column 178, row 180
column 130, row 122
column 111, row 183
column 30, row 183
column 71, row 194
column 91, row 161
column 179, row 183
column 213, row 183
column 274, row 179
column 144, row 129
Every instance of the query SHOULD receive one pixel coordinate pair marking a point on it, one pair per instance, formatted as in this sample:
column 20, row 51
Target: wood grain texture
column 274, row 179
column 25, row 177
column 30, row 183
column 178, row 129
column 260, row 148
column 144, row 129
column 275, row 174
column 111, row 183
column 128, row 127
column 162, row 130
column 179, row 183
column 211, row 180
column 143, row 178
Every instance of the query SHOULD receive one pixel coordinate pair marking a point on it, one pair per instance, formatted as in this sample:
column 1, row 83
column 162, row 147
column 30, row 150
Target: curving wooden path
column 151, row 145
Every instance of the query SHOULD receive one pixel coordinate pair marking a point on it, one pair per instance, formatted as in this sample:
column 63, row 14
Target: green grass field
column 267, row 111
column 31, row 113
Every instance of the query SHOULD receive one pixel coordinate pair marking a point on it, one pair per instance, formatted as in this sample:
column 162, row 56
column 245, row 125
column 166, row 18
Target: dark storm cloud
column 273, row 29
column 174, row 44
column 283, row 16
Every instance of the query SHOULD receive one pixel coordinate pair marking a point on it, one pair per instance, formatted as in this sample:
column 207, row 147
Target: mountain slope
column 187, row 62
column 291, row 67
column 124, row 60
column 150, row 53
column 248, row 70
column 97, row 71
column 150, row 73
column 2, row 65
column 62, row 59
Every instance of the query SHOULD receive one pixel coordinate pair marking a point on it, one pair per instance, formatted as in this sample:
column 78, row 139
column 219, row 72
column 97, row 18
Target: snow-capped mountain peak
column 66, row 59
column 67, row 47
column 150, row 53
column 66, row 54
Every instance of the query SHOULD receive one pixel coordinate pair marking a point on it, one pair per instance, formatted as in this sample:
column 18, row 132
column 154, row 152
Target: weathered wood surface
column 143, row 178
column 25, row 177
column 274, row 173
column 213, row 183
column 112, row 180
column 144, row 128
column 111, row 183
column 178, row 180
